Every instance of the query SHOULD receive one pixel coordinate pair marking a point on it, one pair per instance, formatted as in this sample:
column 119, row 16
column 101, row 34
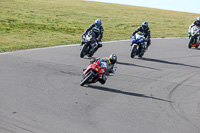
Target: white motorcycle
column 194, row 34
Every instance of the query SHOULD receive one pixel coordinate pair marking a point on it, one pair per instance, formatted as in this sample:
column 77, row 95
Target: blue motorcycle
column 138, row 45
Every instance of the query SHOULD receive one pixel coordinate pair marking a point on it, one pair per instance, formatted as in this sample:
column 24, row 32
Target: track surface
column 160, row 93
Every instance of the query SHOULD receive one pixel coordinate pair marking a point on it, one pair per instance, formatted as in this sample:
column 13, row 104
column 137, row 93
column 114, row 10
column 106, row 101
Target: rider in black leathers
column 146, row 30
column 97, row 28
column 197, row 22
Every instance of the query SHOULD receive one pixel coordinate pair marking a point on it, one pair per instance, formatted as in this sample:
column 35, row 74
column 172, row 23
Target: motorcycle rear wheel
column 91, row 54
column 93, row 51
column 141, row 54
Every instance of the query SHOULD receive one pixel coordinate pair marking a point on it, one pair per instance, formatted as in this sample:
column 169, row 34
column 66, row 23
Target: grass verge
column 26, row 24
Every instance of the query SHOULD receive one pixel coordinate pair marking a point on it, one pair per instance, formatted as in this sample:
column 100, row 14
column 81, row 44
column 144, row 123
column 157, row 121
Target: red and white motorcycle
column 93, row 72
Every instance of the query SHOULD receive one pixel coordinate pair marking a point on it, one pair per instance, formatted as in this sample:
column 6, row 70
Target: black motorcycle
column 89, row 45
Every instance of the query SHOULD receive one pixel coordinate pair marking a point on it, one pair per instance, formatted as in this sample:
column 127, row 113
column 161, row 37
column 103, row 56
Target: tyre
column 87, row 78
column 141, row 54
column 102, row 81
column 92, row 51
column 133, row 51
column 190, row 42
column 91, row 54
column 83, row 51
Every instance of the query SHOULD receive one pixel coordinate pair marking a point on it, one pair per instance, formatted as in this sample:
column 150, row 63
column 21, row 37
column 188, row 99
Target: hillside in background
column 28, row 24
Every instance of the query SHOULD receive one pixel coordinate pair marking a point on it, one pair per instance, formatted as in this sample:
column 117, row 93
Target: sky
column 192, row 6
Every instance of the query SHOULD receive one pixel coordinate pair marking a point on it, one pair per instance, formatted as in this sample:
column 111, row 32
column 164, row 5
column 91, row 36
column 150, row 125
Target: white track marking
column 72, row 45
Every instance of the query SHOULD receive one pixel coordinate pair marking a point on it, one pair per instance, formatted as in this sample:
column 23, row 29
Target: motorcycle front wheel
column 83, row 50
column 87, row 78
column 133, row 51
column 191, row 42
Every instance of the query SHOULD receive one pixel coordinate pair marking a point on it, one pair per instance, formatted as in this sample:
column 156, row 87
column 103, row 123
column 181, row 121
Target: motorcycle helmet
column 112, row 59
column 98, row 22
column 145, row 25
column 198, row 19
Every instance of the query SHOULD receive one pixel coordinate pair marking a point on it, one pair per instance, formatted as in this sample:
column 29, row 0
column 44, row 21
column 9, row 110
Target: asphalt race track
column 160, row 93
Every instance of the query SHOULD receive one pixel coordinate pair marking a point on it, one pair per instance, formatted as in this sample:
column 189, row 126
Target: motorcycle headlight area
column 88, row 38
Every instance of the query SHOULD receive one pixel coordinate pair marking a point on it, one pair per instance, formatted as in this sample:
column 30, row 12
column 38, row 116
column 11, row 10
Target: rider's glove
column 92, row 60
column 83, row 35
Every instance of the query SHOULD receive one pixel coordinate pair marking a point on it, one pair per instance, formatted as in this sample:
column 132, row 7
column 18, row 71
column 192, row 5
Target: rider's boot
column 102, row 79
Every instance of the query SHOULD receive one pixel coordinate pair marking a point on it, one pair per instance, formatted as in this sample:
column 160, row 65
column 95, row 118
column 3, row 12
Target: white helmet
column 198, row 19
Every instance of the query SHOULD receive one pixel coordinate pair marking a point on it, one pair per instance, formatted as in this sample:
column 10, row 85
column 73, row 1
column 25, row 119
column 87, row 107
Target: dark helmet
column 112, row 59
column 98, row 22
column 198, row 19
column 145, row 25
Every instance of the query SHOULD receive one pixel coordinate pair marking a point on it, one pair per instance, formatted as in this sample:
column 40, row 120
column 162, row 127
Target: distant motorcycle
column 194, row 34
column 138, row 45
column 93, row 72
column 89, row 45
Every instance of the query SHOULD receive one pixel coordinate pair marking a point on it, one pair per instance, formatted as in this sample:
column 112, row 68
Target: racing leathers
column 197, row 23
column 146, row 32
column 98, row 33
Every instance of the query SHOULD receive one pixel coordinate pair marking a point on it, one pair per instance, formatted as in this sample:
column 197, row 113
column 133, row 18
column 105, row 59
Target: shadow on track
column 130, row 64
column 89, row 58
column 125, row 93
column 195, row 48
column 168, row 62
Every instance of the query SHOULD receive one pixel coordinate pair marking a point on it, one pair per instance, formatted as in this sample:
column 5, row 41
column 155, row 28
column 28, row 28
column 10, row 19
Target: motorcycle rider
column 197, row 23
column 111, row 63
column 146, row 30
column 97, row 28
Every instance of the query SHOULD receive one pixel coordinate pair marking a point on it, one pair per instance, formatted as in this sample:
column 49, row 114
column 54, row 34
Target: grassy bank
column 28, row 24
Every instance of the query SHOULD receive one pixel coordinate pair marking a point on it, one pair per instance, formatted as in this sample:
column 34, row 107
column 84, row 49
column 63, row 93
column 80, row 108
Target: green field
column 26, row 24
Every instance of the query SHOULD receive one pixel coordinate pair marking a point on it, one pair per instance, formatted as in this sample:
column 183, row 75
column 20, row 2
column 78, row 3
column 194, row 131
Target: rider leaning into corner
column 195, row 23
column 111, row 62
column 146, row 30
column 97, row 28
